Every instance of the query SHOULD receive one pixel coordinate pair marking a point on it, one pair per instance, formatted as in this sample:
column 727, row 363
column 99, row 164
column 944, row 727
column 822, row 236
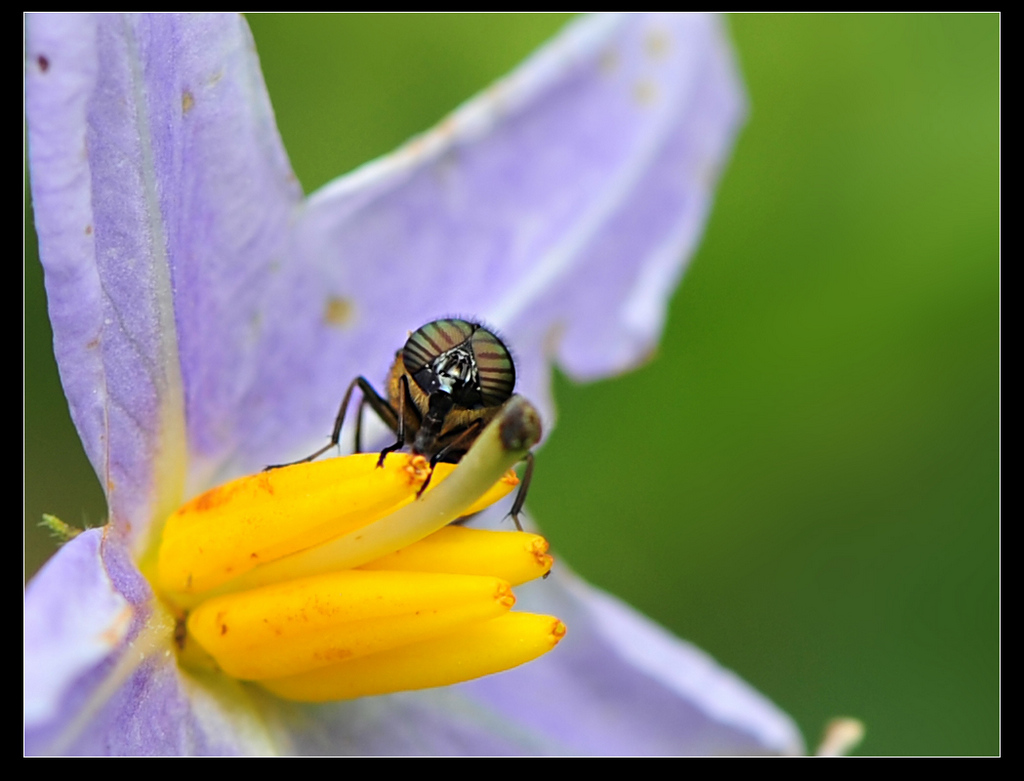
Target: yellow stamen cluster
column 335, row 579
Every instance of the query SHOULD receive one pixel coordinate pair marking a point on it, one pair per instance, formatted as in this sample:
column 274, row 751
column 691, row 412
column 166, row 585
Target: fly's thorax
column 460, row 419
column 465, row 426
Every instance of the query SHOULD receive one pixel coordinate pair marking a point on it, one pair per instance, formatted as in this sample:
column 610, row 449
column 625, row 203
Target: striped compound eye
column 462, row 359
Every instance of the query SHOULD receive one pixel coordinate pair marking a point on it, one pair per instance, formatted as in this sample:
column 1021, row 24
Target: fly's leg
column 399, row 427
column 357, row 442
column 470, row 433
column 524, row 486
column 371, row 397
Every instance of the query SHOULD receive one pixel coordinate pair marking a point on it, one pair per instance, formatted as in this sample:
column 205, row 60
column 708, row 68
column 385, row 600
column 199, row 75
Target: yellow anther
column 294, row 627
column 516, row 557
column 336, row 578
column 230, row 530
column 482, row 648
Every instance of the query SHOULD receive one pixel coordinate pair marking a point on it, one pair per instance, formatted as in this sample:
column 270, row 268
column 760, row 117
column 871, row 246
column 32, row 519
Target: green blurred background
column 805, row 481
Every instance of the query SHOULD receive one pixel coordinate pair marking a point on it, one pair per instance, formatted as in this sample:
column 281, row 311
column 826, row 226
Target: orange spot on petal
column 657, row 44
column 339, row 311
column 645, row 93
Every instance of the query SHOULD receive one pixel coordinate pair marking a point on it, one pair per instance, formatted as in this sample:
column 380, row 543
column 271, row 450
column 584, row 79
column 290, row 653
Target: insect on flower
column 449, row 381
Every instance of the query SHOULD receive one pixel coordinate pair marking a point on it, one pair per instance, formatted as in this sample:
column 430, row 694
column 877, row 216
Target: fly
column 446, row 384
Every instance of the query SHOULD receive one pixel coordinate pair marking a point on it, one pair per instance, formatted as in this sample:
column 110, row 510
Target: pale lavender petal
column 101, row 676
column 57, row 104
column 160, row 711
column 74, row 618
column 561, row 205
column 162, row 195
column 619, row 684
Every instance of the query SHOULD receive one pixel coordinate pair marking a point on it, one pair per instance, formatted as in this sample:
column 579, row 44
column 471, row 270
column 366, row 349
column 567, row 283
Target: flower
column 203, row 312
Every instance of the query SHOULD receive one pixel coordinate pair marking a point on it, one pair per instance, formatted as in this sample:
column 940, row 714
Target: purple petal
column 561, row 205
column 100, row 674
column 74, row 618
column 619, row 684
column 162, row 195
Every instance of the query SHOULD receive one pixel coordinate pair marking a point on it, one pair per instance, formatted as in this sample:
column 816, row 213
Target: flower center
column 334, row 579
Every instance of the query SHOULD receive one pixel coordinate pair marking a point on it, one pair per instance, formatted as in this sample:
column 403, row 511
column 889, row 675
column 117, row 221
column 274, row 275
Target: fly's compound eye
column 462, row 359
column 496, row 373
